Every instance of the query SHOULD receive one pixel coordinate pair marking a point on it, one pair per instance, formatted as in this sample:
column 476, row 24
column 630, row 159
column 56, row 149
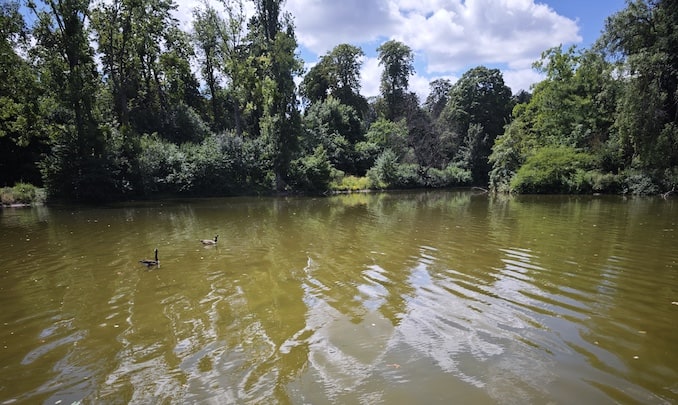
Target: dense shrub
column 384, row 173
column 452, row 175
column 336, row 127
column 183, row 124
column 366, row 154
column 553, row 169
column 312, row 172
column 639, row 183
column 221, row 164
column 341, row 182
column 597, row 182
column 92, row 174
column 22, row 193
column 408, row 176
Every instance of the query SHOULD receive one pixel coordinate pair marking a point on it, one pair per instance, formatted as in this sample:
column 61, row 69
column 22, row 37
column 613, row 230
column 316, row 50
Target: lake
column 396, row 298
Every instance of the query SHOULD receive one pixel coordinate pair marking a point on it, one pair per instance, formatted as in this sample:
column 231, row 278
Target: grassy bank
column 22, row 194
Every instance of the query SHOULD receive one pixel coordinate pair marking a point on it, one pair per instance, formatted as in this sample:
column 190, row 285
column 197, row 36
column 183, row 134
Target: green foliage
column 337, row 74
column 398, row 62
column 508, row 154
column 438, row 97
column 389, row 173
column 551, row 170
column 574, row 107
column 22, row 193
column 479, row 107
column 643, row 37
column 183, row 124
column 336, row 127
column 389, row 135
column 594, row 181
column 384, row 173
column 21, row 139
column 479, row 97
column 450, row 176
column 341, row 182
column 366, row 154
column 69, row 174
column 220, row 165
column 274, row 44
column 639, row 183
column 312, row 172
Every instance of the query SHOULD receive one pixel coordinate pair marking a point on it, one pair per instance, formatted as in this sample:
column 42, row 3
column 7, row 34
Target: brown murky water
column 441, row 297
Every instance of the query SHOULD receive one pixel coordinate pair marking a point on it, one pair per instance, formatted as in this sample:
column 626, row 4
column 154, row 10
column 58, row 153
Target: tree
column 389, row 135
column 240, row 66
column 438, row 97
column 337, row 74
column 423, row 139
column 315, row 87
column 208, row 32
column 22, row 139
column 479, row 98
column 573, row 107
column 80, row 165
column 644, row 38
column 336, row 127
column 145, row 59
column 398, row 62
column 114, row 27
column 273, row 44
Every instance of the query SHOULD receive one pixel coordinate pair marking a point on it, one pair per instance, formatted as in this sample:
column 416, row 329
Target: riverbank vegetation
column 99, row 101
column 22, row 194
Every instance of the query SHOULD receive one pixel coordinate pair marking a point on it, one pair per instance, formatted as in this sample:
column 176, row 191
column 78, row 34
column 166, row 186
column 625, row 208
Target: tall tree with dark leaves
column 397, row 60
column 78, row 167
column 273, row 44
column 336, row 74
column 479, row 98
column 209, row 30
column 22, row 138
column 438, row 97
column 114, row 28
column 643, row 38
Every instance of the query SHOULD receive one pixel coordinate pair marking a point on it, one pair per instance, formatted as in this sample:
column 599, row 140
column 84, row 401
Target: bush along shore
column 22, row 194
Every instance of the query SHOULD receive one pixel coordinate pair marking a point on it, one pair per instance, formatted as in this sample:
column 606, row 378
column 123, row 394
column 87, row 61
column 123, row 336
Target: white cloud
column 323, row 24
column 521, row 79
column 370, row 73
column 512, row 32
column 184, row 11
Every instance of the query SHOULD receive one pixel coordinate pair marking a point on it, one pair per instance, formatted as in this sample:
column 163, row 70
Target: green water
column 442, row 297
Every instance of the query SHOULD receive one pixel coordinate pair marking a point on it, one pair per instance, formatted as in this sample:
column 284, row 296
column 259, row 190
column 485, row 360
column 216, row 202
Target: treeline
column 98, row 101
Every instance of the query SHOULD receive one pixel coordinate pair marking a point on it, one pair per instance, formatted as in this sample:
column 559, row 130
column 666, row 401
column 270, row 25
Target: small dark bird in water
column 209, row 242
column 151, row 263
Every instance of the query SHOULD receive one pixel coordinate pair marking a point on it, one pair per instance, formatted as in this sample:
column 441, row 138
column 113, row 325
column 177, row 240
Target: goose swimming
column 151, row 263
column 209, row 242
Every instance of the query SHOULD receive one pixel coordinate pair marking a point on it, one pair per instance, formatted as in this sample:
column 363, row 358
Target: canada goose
column 209, row 242
column 151, row 263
